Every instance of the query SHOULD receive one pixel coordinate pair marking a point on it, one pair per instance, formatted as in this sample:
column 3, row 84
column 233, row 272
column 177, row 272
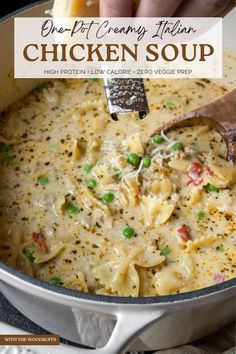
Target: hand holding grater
column 126, row 95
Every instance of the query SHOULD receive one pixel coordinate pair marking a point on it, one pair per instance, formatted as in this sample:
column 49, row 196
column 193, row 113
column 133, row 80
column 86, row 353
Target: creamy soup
column 101, row 206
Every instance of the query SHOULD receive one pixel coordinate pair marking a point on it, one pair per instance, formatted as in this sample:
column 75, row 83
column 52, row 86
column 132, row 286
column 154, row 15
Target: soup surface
column 98, row 206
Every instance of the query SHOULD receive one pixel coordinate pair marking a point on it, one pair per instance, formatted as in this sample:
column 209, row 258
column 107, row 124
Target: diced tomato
column 196, row 167
column 39, row 241
column 195, row 182
column 194, row 174
column 190, row 181
column 185, row 233
column 209, row 171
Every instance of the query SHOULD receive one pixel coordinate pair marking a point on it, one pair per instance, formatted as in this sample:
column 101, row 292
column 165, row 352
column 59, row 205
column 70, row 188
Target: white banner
column 118, row 47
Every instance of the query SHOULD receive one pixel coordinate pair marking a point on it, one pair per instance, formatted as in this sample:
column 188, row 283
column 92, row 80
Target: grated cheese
column 90, row 2
column 163, row 149
column 110, row 146
column 165, row 137
column 116, row 162
column 158, row 149
column 96, row 176
column 139, row 169
column 134, row 173
column 130, row 174
column 171, row 144
column 48, row 12
column 166, row 156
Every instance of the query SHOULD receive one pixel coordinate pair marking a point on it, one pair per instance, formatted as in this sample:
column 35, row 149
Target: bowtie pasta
column 106, row 207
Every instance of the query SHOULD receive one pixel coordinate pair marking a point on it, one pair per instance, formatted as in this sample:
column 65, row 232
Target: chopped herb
column 220, row 249
column 133, row 159
column 158, row 139
column 93, row 79
column 43, row 180
column 43, row 87
column 201, row 214
column 88, row 168
column 92, row 183
column 29, row 254
column 53, row 146
column 72, row 209
column 117, row 174
column 108, row 198
column 7, row 160
column 178, row 147
column 165, row 250
column 5, row 147
column 56, row 281
column 147, row 161
column 169, row 104
column 212, row 188
column 128, row 232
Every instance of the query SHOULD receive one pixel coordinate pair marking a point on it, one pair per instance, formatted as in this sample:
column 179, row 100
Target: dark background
column 12, row 5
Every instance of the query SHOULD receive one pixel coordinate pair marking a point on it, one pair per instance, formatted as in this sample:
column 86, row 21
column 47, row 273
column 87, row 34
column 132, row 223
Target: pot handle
column 128, row 327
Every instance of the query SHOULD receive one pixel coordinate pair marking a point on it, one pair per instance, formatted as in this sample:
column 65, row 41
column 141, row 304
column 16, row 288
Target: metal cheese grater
column 126, row 95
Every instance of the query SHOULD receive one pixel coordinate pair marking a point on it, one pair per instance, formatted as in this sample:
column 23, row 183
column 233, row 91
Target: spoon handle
column 220, row 115
column 222, row 111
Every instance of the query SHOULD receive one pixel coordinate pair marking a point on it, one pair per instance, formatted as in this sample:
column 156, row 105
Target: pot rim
column 22, row 9
column 125, row 300
column 191, row 295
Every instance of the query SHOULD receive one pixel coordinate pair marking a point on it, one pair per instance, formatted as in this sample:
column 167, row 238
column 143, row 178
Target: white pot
column 110, row 324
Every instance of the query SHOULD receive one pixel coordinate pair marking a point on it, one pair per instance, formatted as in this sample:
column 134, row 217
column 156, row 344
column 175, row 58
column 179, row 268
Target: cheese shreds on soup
column 105, row 207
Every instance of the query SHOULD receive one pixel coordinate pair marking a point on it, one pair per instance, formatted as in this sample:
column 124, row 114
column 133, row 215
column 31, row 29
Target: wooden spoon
column 220, row 115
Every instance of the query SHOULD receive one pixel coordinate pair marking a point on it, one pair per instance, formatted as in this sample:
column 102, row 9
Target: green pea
column 178, row 147
column 128, row 232
column 29, row 254
column 158, row 139
column 212, row 188
column 165, row 250
column 92, row 183
column 72, row 209
column 133, row 159
column 88, row 168
column 147, row 161
column 108, row 198
column 56, row 281
column 43, row 180
column 201, row 214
